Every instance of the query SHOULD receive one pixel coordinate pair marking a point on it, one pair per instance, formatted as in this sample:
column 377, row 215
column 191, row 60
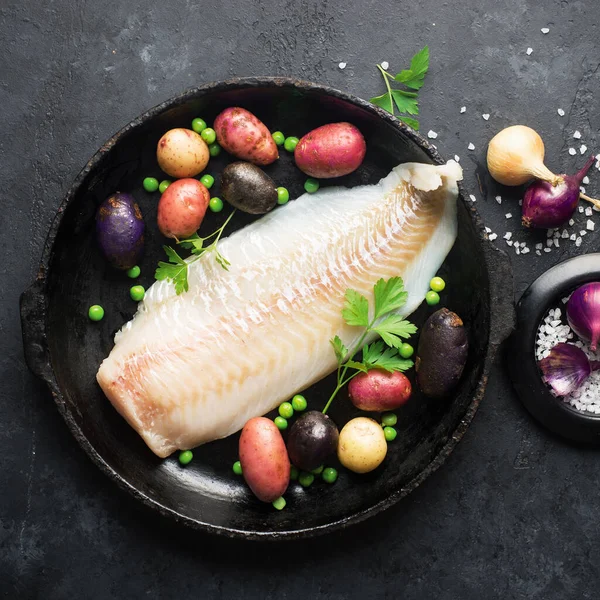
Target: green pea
column 237, row 467
column 286, row 410
column 280, row 503
column 134, row 272
column 294, row 473
column 389, row 419
column 282, row 195
column 96, row 313
column 207, row 181
column 281, row 423
column 432, row 298
column 406, row 350
column 299, row 403
column 209, row 135
column 199, row 125
column 318, row 470
column 437, row 284
column 278, row 137
column 390, row 434
column 150, row 184
column 164, row 184
column 137, row 293
column 305, row 479
column 329, row 475
column 185, row 457
column 214, row 149
column 290, row 143
column 215, row 204
column 311, row 185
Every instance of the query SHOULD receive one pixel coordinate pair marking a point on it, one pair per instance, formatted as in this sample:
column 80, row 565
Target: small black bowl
column 543, row 294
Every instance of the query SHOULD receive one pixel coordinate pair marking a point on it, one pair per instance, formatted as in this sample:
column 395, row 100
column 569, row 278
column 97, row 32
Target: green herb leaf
column 384, row 101
column 389, row 296
column 176, row 270
column 415, row 76
column 357, row 365
column 339, row 348
column 393, row 329
column 356, row 309
column 406, row 101
column 410, row 122
column 379, row 356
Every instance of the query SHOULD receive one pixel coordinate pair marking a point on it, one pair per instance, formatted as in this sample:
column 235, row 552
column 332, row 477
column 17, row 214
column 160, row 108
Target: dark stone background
column 513, row 513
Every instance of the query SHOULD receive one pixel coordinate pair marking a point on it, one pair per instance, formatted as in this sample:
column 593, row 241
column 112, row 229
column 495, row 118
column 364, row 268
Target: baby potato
column 331, row 150
column 362, row 446
column 245, row 136
column 182, row 153
column 181, row 208
column 379, row 390
column 264, row 459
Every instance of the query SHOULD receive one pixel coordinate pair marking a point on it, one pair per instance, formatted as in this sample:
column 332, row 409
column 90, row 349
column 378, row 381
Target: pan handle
column 33, row 324
column 503, row 315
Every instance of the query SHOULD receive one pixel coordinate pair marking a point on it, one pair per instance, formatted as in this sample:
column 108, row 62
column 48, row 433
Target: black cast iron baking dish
column 65, row 349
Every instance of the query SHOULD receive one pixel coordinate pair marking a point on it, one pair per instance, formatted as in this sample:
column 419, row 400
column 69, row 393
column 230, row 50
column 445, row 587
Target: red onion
column 566, row 368
column 551, row 204
column 583, row 313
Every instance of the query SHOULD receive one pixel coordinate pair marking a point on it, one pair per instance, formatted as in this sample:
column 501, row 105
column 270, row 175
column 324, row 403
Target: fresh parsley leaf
column 194, row 243
column 356, row 309
column 357, row 365
column 393, row 329
column 339, row 348
column 389, row 296
column 406, row 101
column 410, row 122
column 384, row 101
column 415, row 76
column 379, row 356
column 175, row 270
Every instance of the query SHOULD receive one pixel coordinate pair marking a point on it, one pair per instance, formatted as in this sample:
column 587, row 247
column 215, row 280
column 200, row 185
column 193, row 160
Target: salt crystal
column 499, row 199
column 471, row 146
column 538, row 252
column 525, row 251
column 582, row 233
column 545, row 30
column 529, row 51
column 590, row 225
column 572, row 151
column 463, row 109
column 582, row 189
column 550, row 232
column 507, row 235
column 578, row 242
column 549, row 242
column 588, row 211
column 573, row 237
column 488, row 230
column 493, row 236
column 577, row 134
column 582, row 149
column 517, row 250
column 385, row 65
column 580, row 208
column 565, row 234
column 432, row 134
column 508, row 215
column 521, row 202
column 586, row 179
column 457, row 158
column 539, row 246
column 486, row 117
column 561, row 112
column 509, row 243
column 556, row 242
column 342, row 65
column 571, row 222
column 472, row 198
column 547, row 249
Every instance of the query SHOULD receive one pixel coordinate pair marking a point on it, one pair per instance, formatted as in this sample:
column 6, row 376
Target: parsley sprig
column 405, row 101
column 176, row 270
column 389, row 296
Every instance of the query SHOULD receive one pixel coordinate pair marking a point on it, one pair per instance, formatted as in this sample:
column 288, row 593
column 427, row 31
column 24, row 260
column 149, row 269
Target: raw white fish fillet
column 193, row 368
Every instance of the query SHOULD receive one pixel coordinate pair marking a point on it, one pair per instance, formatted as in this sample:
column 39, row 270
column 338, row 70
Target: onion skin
column 565, row 368
column 583, row 313
column 548, row 206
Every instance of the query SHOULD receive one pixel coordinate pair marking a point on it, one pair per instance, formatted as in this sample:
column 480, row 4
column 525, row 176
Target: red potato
column 379, row 390
column 182, row 207
column 264, row 459
column 331, row 151
column 182, row 153
column 245, row 136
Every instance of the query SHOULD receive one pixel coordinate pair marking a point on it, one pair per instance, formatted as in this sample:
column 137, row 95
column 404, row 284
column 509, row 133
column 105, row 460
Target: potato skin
column 248, row 188
column 331, row 151
column 362, row 446
column 120, row 230
column 379, row 390
column 245, row 136
column 182, row 153
column 442, row 353
column 182, row 207
column 264, row 459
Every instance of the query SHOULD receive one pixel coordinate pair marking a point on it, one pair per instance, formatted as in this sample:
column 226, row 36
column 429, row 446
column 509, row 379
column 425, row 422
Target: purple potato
column 120, row 230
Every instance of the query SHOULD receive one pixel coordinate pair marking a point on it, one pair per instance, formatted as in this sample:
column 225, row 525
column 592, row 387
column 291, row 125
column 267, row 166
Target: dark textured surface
column 513, row 514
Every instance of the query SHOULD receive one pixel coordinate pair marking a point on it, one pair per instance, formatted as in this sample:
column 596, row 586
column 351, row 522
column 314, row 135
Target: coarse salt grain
column 488, row 230
column 485, row 116
column 508, row 215
column 472, row 198
column 571, row 222
column 385, row 65
column 577, row 134
column 342, row 65
column 471, row 146
column 538, row 252
column 525, row 251
column 432, row 134
column 573, row 237
column 565, row 234
column 493, row 236
column 457, row 158
column 590, row 225
column 529, row 51
column 580, row 208
column 508, row 235
column 561, row 112
column 578, row 241
column 499, row 199
column 539, row 246
column 545, row 30
column 572, row 151
column 463, row 109
column 588, row 211
column 586, row 180
column 547, row 249
column 582, row 149
column 509, row 242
